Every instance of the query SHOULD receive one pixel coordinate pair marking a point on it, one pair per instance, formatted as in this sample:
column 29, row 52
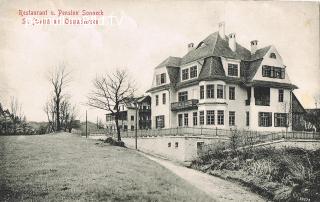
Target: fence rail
column 245, row 135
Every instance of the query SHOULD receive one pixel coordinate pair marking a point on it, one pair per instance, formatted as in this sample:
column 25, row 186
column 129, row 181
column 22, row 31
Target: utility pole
column 136, row 127
column 86, row 125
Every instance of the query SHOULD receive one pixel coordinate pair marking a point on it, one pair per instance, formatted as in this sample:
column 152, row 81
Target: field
column 64, row 167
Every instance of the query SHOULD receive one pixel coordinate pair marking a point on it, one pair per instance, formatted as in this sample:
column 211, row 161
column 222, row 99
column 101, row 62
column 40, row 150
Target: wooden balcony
column 262, row 102
column 184, row 105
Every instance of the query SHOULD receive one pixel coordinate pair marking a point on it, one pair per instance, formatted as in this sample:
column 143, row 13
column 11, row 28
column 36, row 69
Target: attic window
column 201, row 44
column 273, row 55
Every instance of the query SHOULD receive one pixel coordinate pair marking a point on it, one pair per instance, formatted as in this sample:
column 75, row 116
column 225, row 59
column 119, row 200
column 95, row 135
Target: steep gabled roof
column 260, row 53
column 296, row 105
column 212, row 67
column 174, row 74
column 170, row 61
column 249, row 68
column 211, row 49
column 214, row 45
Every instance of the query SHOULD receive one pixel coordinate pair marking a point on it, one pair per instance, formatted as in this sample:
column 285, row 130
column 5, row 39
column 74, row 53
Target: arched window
column 273, row 55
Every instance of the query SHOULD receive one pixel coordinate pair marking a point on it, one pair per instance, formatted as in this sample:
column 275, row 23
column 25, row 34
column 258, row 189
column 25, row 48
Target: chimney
column 232, row 41
column 254, row 46
column 190, row 47
column 221, row 30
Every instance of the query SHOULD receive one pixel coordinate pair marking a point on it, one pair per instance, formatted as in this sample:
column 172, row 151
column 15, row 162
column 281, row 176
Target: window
column 169, row 144
column 132, row 118
column 210, row 117
column 163, row 98
column 163, row 78
column 195, row 118
column 201, row 117
column 273, row 72
column 280, row 95
column 180, row 119
column 193, row 72
column 220, row 117
column 266, row 71
column 220, row 91
column 160, row 79
column 273, row 55
column 280, row 119
column 232, row 93
column 183, row 96
column 201, row 92
column 186, row 119
column 232, row 69
column 185, row 74
column 265, row 119
column 176, row 145
column 157, row 100
column 247, row 118
column 160, row 121
column 232, row 118
column 132, row 127
column 210, row 91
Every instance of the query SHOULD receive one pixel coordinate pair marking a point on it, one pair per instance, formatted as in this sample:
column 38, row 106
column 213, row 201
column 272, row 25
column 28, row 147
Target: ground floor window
column 179, row 119
column 247, row 118
column 186, row 119
column 160, row 121
column 220, row 117
column 201, row 117
column 232, row 118
column 265, row 119
column 280, row 119
column 210, row 117
column 195, row 118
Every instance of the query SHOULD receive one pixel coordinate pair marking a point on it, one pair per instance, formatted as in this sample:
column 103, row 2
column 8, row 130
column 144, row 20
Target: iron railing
column 182, row 105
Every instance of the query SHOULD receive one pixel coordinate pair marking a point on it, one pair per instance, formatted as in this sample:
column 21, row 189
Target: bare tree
column 59, row 79
column 49, row 109
column 109, row 91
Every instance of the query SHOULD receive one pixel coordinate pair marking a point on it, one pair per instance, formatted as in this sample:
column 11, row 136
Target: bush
column 290, row 173
column 113, row 142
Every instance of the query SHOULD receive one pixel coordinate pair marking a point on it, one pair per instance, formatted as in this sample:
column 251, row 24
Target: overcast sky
column 148, row 33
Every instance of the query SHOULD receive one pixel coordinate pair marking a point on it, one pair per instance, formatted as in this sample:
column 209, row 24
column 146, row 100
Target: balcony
column 183, row 105
column 262, row 102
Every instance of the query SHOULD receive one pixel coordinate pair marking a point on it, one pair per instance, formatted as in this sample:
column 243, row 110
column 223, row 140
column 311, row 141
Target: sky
column 141, row 36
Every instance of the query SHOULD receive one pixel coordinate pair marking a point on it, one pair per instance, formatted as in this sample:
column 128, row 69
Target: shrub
column 113, row 142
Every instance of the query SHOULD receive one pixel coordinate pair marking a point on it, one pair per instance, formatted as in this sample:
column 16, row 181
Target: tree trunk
column 117, row 126
column 58, row 114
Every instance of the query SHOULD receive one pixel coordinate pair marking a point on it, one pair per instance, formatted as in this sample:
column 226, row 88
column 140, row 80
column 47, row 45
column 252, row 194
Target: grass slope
column 66, row 167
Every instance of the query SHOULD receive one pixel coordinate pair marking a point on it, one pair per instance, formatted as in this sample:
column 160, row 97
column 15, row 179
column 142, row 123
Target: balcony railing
column 188, row 104
column 262, row 102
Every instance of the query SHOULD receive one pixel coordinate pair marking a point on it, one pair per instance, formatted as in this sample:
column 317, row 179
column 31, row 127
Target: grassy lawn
column 67, row 167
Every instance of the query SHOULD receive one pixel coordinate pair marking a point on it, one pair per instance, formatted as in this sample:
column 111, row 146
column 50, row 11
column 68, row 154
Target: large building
column 131, row 110
column 220, row 84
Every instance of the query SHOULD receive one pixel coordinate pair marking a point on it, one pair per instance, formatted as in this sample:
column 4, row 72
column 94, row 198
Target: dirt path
column 215, row 187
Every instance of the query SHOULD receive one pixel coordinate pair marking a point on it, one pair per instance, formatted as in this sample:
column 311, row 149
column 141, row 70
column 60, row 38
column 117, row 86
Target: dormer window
column 193, row 72
column 273, row 56
column 185, row 74
column 189, row 73
column 160, row 79
column 232, row 69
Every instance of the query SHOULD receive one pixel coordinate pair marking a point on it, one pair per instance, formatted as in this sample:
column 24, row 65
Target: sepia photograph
column 159, row 100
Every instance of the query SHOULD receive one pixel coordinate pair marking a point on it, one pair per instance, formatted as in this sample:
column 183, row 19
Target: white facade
column 260, row 101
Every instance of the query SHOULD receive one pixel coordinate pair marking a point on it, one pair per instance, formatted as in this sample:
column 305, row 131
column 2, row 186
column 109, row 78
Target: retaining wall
column 178, row 148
